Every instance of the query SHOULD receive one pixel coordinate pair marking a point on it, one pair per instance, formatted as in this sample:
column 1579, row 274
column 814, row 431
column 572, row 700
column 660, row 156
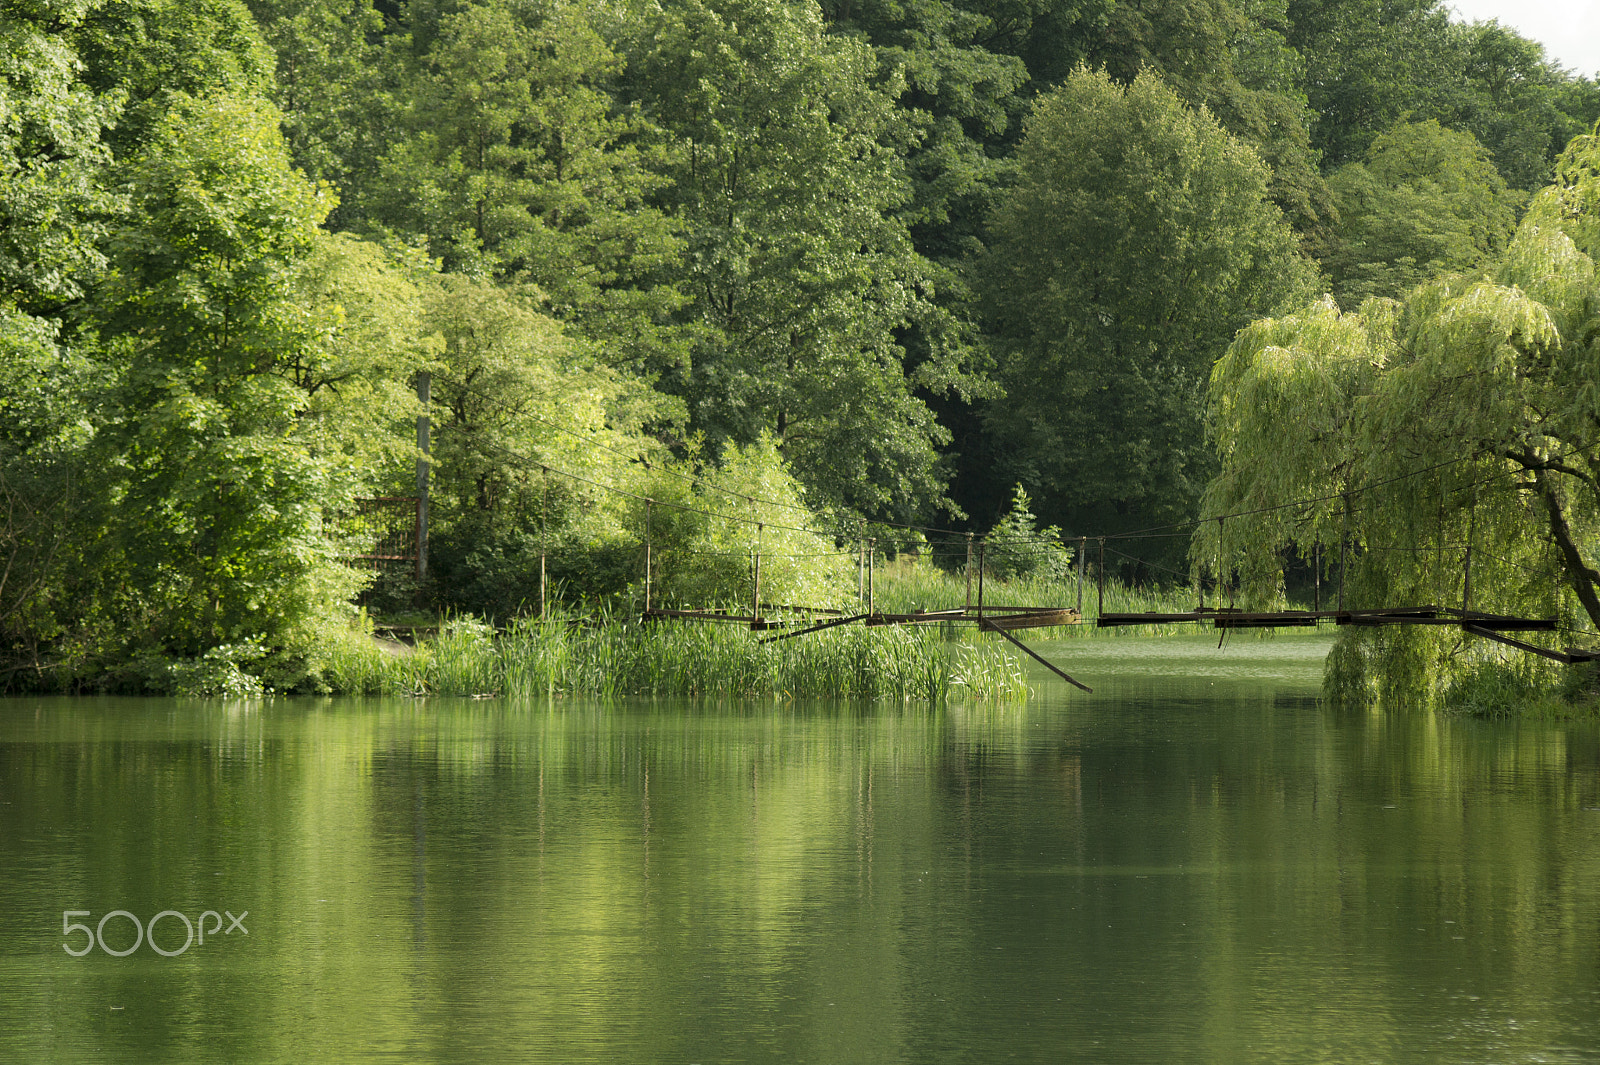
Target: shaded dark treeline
column 888, row 261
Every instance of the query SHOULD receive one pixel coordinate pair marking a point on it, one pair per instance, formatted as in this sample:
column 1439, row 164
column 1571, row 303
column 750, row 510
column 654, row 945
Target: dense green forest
column 851, row 266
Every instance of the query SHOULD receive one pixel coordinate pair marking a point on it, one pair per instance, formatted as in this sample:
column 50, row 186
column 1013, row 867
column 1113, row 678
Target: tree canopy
column 1137, row 239
column 1407, row 434
column 1425, row 200
column 887, row 261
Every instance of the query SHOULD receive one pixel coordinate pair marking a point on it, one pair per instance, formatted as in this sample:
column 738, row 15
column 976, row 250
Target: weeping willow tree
column 1405, row 438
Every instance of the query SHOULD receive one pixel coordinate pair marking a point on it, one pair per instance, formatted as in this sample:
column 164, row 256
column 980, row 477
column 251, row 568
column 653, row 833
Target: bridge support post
column 1100, row 606
column 1083, row 544
column 969, row 571
column 982, row 549
column 872, row 565
column 755, row 602
column 544, row 517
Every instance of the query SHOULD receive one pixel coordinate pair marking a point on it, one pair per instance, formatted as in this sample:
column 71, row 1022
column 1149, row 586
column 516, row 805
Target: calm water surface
column 1196, row 863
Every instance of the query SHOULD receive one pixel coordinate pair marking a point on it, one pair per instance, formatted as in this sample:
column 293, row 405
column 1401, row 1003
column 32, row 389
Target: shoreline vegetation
column 726, row 301
column 612, row 654
column 617, row 655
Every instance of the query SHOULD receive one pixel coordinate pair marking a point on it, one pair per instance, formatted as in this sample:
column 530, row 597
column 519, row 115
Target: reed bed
column 616, row 657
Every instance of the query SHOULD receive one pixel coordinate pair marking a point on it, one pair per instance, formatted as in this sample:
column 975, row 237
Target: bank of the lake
column 1200, row 862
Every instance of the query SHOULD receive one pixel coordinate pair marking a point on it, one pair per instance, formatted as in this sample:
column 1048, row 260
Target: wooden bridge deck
column 1227, row 618
column 1476, row 622
column 1003, row 619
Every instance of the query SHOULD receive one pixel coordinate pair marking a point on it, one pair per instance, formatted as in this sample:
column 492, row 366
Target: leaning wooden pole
column 648, row 503
column 987, row 626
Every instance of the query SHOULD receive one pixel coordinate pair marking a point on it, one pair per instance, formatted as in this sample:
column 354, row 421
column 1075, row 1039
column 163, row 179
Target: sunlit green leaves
column 1425, row 200
column 1405, row 436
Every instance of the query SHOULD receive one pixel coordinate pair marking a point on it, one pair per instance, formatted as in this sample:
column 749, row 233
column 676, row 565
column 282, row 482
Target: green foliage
column 515, row 161
column 1017, row 547
column 1233, row 60
column 221, row 670
column 961, row 95
column 512, row 394
column 1464, row 418
column 220, row 498
column 1518, row 103
column 330, row 89
column 171, row 455
column 1136, row 241
column 741, row 238
column 800, row 269
column 1370, row 64
column 1424, row 201
column 705, row 539
column 50, row 157
column 618, row 658
column 147, row 52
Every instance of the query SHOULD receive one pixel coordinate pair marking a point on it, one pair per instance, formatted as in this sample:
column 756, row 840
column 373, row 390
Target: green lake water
column 1198, row 862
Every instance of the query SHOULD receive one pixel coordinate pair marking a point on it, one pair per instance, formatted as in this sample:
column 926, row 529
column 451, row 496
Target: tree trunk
column 1581, row 576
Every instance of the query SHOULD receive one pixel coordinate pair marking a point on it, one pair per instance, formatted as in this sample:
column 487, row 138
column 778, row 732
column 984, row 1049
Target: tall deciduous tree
column 517, row 163
column 333, row 87
column 52, row 203
column 800, row 268
column 1521, row 106
column 514, row 393
column 1425, row 200
column 221, row 502
column 1137, row 240
column 1231, row 57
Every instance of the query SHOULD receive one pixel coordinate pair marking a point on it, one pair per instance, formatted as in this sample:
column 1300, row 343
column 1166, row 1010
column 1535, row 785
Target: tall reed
column 623, row 656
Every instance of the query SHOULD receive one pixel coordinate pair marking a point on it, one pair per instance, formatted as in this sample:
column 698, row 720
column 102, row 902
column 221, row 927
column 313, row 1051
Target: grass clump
column 615, row 657
column 1497, row 687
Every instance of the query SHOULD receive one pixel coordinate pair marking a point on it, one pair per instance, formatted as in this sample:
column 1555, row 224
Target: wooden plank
column 1502, row 624
column 699, row 615
column 1106, row 621
column 988, row 625
column 1034, row 620
column 1267, row 623
column 816, row 610
column 990, row 606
